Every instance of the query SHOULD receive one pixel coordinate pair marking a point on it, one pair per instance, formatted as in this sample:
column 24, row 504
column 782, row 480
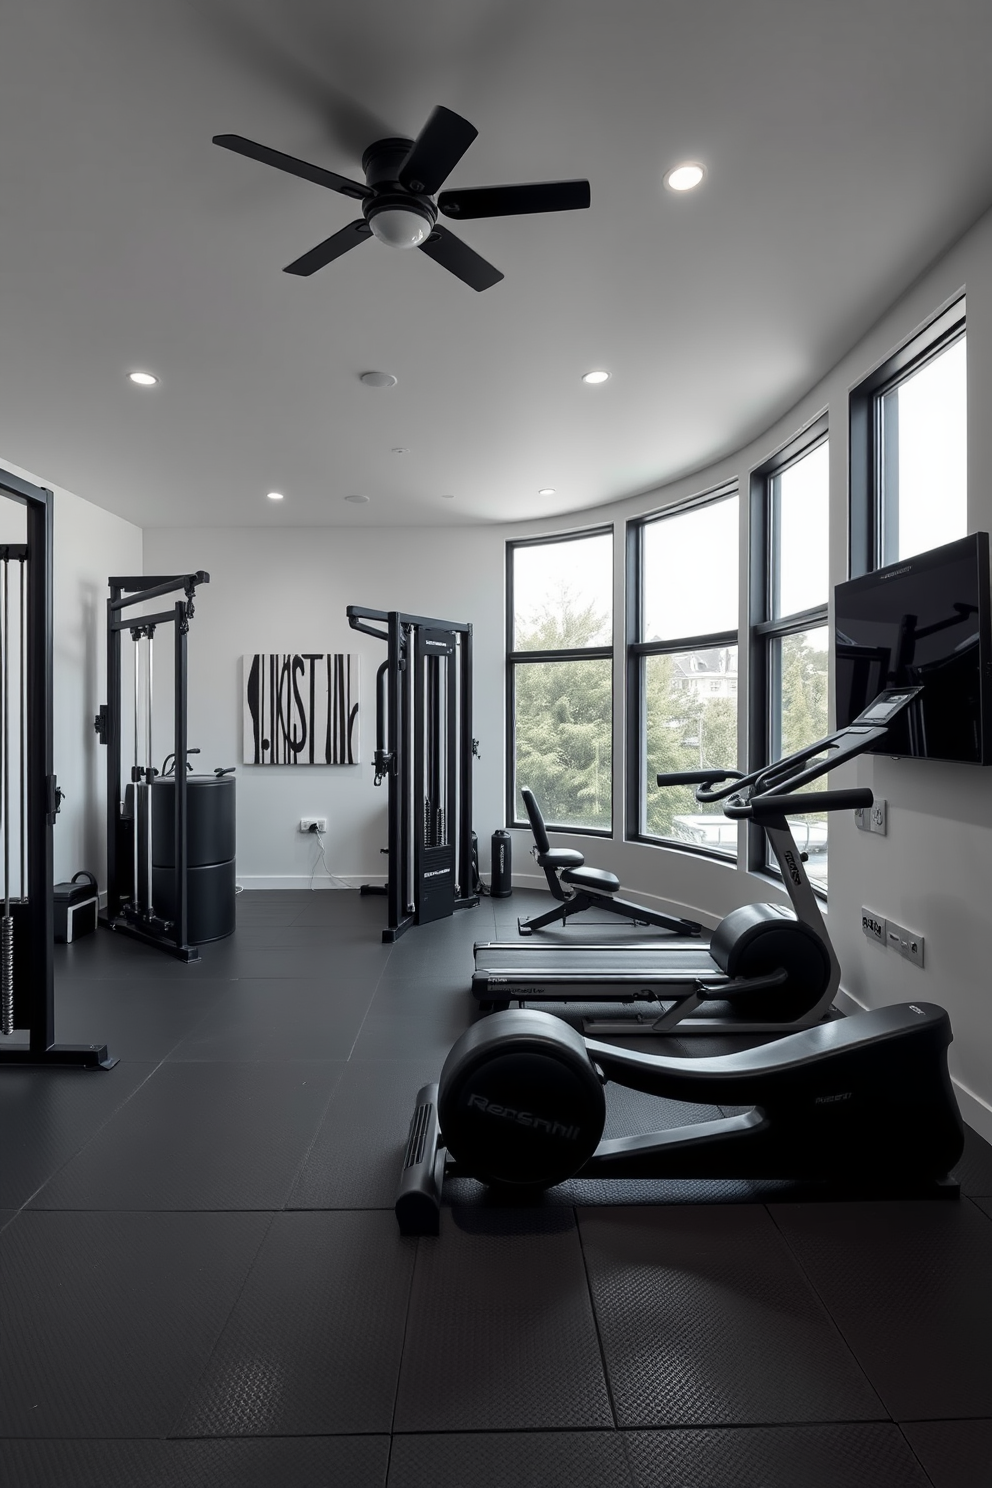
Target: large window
column 790, row 641
column 909, row 448
column 682, row 668
column 560, row 678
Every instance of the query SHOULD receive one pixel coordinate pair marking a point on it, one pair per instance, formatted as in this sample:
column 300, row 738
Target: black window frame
column 584, row 653
column 867, row 524
column 634, row 773
column 764, row 683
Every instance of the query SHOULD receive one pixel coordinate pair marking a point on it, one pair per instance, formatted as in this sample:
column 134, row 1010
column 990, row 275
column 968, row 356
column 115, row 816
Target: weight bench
column 577, row 888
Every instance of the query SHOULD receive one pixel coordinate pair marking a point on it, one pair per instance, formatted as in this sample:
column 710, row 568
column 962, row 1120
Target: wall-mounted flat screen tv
column 925, row 622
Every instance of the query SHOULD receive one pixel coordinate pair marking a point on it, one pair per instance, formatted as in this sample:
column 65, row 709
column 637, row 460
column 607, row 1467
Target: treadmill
column 768, row 968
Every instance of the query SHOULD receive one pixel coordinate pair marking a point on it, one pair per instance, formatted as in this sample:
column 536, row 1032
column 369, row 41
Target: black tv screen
column 922, row 622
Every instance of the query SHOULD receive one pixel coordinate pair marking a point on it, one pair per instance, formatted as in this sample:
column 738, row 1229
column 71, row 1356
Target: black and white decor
column 301, row 709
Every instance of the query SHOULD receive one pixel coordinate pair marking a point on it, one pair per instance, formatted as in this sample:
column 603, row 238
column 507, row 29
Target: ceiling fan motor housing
column 381, row 163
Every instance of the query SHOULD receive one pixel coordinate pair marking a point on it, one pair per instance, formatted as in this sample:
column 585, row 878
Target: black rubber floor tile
column 356, row 1156
column 974, row 1171
column 528, row 1459
column 6, row 1215
column 109, row 1319
column 47, row 1116
column 313, row 1345
column 301, row 1462
column 985, row 1205
column 421, row 1036
column 501, row 1335
column 396, row 991
column 201, row 1136
column 908, row 1285
column 327, row 937
column 956, row 1454
column 278, row 1018
column 848, row 1456
column 707, row 1320
column 143, row 1019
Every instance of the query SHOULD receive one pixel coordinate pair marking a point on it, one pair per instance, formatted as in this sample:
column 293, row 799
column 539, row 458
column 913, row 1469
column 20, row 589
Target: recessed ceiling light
column 274, row 495
column 447, row 495
column 378, row 379
column 684, row 177
column 358, row 500
column 143, row 379
column 593, row 377
column 546, row 491
column 401, row 449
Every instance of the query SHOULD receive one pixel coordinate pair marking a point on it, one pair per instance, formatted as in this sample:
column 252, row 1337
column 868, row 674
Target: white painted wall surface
column 90, row 544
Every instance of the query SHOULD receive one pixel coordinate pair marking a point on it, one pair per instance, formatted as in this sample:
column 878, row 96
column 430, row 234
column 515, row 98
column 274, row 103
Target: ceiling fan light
column 400, row 227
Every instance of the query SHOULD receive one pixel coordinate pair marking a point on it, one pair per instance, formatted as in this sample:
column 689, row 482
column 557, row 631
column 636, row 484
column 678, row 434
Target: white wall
column 90, row 544
column 287, row 591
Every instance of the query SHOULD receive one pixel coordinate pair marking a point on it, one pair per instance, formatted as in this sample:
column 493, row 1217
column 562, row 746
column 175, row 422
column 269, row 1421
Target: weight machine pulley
column 130, row 909
column 424, row 750
column 29, row 794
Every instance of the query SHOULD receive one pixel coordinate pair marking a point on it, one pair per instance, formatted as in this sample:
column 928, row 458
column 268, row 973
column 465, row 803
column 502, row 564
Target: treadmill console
column 887, row 705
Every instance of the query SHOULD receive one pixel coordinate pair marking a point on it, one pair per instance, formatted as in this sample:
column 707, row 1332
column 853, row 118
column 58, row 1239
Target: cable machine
column 130, row 909
column 424, row 749
column 29, row 794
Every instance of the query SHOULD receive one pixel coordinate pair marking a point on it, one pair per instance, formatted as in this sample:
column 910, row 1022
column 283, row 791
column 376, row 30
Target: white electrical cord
column 337, row 883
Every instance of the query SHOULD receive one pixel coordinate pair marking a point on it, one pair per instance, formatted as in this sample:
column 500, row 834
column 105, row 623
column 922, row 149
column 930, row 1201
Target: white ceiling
column 846, row 143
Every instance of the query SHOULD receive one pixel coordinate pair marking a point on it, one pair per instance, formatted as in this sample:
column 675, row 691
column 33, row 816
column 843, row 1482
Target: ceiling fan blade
column 330, row 248
column 315, row 173
column 436, row 151
column 459, row 259
column 512, row 201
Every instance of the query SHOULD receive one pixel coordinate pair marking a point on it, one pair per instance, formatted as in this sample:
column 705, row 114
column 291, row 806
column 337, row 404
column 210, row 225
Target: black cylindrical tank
column 501, row 886
column 211, row 838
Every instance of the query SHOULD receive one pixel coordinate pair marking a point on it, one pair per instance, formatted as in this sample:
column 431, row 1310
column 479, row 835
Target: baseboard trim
column 303, row 880
column 651, row 901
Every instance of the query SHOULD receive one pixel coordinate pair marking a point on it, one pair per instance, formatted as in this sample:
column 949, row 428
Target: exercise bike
column 767, row 968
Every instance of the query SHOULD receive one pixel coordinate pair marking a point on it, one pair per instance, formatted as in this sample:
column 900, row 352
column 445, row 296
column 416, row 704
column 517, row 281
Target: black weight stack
column 210, row 853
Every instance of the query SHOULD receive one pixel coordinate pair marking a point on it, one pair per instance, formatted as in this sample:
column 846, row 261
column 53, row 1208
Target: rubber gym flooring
column 203, row 1283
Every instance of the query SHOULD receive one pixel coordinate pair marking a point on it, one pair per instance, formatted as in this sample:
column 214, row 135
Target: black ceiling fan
column 401, row 179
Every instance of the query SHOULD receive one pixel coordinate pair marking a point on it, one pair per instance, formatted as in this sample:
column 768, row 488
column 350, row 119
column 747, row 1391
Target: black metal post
column 179, row 746
column 34, row 966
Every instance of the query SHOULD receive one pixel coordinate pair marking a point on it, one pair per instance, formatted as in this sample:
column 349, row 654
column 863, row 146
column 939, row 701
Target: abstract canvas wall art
column 301, row 709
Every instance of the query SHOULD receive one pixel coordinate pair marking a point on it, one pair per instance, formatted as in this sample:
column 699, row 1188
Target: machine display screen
column 923, row 622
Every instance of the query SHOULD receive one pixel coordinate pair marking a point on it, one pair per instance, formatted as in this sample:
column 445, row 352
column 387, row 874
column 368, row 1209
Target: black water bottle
column 501, row 886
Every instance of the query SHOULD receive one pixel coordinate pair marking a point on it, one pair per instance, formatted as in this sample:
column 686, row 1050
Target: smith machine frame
column 424, row 750
column 27, row 958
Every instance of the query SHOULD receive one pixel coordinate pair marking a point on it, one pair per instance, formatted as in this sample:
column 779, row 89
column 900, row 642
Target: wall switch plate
column 906, row 942
column 878, row 815
column 307, row 823
column 873, row 925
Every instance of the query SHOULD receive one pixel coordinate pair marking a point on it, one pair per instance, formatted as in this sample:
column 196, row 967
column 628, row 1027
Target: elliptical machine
column 865, row 1102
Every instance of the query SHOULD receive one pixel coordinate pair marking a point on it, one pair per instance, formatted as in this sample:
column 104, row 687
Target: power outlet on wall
column 310, row 823
column 906, row 942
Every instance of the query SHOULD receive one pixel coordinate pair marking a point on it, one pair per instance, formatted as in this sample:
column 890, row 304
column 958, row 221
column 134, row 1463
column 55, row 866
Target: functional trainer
column 577, row 888
column 767, row 969
column 865, row 1102
column 424, row 749
column 29, row 794
column 133, row 907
